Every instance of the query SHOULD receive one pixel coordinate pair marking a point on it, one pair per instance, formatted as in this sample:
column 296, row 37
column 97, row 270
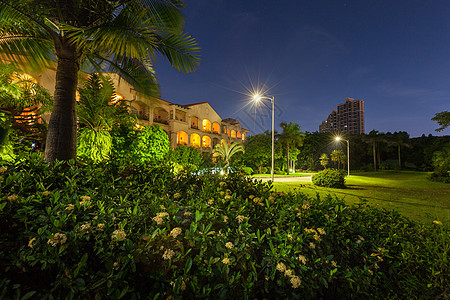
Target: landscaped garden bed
column 133, row 231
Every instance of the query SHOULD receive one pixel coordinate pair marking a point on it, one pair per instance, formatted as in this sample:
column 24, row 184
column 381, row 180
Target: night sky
column 312, row 54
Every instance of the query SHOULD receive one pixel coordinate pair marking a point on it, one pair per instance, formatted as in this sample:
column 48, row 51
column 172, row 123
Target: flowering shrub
column 131, row 231
column 331, row 178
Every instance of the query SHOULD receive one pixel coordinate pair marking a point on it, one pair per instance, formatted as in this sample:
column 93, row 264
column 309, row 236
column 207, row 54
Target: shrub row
column 132, row 231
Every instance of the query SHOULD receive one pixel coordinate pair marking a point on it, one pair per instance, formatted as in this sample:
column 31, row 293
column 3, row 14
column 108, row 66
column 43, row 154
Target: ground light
column 338, row 138
column 257, row 98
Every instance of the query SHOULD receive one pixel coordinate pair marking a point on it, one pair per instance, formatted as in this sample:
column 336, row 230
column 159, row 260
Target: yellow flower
column 85, row 198
column 306, row 205
column 333, row 263
column 46, row 193
column 70, row 207
column 177, row 195
column 295, row 281
column 302, row 259
column 159, row 217
column 175, row 232
column 162, row 207
column 229, row 245
column 227, row 197
column 187, row 214
column 31, row 242
column 317, row 237
column 85, row 227
column 281, row 267
column 183, row 285
column 210, row 201
column 288, row 273
column 226, row 261
column 321, row 231
column 240, row 218
column 100, row 225
column 225, row 219
column 118, row 235
column 222, row 183
column 168, row 254
column 251, row 197
column 12, row 197
column 3, row 169
column 312, row 245
column 58, row 238
column 437, row 222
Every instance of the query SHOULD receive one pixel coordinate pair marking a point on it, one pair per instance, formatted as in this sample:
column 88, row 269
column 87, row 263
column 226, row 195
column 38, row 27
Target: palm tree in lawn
column 398, row 139
column 225, row 152
column 324, row 159
column 290, row 136
column 338, row 156
column 372, row 138
column 120, row 36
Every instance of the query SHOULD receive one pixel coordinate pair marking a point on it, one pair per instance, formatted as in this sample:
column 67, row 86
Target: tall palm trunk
column 62, row 128
column 287, row 154
column 374, row 156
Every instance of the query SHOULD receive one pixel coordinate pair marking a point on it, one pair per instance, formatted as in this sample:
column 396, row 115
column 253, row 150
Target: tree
column 373, row 138
column 18, row 92
column 120, row 36
column 291, row 135
column 324, row 159
column 97, row 112
column 443, row 119
column 398, row 139
column 338, row 156
column 258, row 150
column 225, row 152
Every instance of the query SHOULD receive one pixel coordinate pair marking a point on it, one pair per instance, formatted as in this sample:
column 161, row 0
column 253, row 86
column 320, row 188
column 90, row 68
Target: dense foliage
column 137, row 231
column 331, row 178
column 189, row 158
column 145, row 144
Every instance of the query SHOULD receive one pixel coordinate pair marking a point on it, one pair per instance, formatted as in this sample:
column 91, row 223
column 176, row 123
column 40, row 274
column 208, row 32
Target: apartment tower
column 348, row 118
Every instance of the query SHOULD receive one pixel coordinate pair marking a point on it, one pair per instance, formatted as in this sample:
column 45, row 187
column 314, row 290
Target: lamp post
column 257, row 98
column 348, row 153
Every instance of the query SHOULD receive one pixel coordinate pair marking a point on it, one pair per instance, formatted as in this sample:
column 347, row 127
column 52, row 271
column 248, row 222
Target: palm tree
column 120, row 36
column 372, row 138
column 398, row 139
column 324, row 160
column 338, row 156
column 225, row 152
column 291, row 135
column 97, row 112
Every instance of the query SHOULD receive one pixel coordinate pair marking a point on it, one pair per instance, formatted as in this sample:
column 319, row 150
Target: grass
column 411, row 193
column 278, row 175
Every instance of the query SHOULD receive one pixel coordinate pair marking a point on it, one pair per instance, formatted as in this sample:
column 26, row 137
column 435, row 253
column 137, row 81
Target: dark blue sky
column 312, row 54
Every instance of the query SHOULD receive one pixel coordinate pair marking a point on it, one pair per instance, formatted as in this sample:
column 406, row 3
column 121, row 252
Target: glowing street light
column 257, row 98
column 338, row 138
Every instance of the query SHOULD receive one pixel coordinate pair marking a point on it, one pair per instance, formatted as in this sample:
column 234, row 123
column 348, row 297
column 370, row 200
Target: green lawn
column 277, row 175
column 411, row 193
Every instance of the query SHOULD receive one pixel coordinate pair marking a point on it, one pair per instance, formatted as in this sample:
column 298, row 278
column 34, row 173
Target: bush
column 264, row 170
column 330, row 178
column 125, row 230
column 247, row 170
column 440, row 176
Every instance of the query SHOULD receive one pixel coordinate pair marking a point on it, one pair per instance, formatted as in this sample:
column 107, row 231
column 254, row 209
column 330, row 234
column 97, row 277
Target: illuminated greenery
column 97, row 112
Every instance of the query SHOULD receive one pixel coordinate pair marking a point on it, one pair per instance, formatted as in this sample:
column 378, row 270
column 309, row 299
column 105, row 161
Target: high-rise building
column 348, row 118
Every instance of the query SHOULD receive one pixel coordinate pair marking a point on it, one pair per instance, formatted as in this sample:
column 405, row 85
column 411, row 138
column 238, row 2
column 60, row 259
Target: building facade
column 347, row 118
column 196, row 125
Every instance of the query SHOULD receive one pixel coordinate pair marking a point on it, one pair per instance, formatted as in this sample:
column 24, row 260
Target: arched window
column 233, row 134
column 206, row 142
column 216, row 128
column 239, row 135
column 195, row 140
column 182, row 138
column 206, row 125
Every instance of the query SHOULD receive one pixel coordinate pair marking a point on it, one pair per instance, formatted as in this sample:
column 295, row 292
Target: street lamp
column 338, row 138
column 257, row 98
